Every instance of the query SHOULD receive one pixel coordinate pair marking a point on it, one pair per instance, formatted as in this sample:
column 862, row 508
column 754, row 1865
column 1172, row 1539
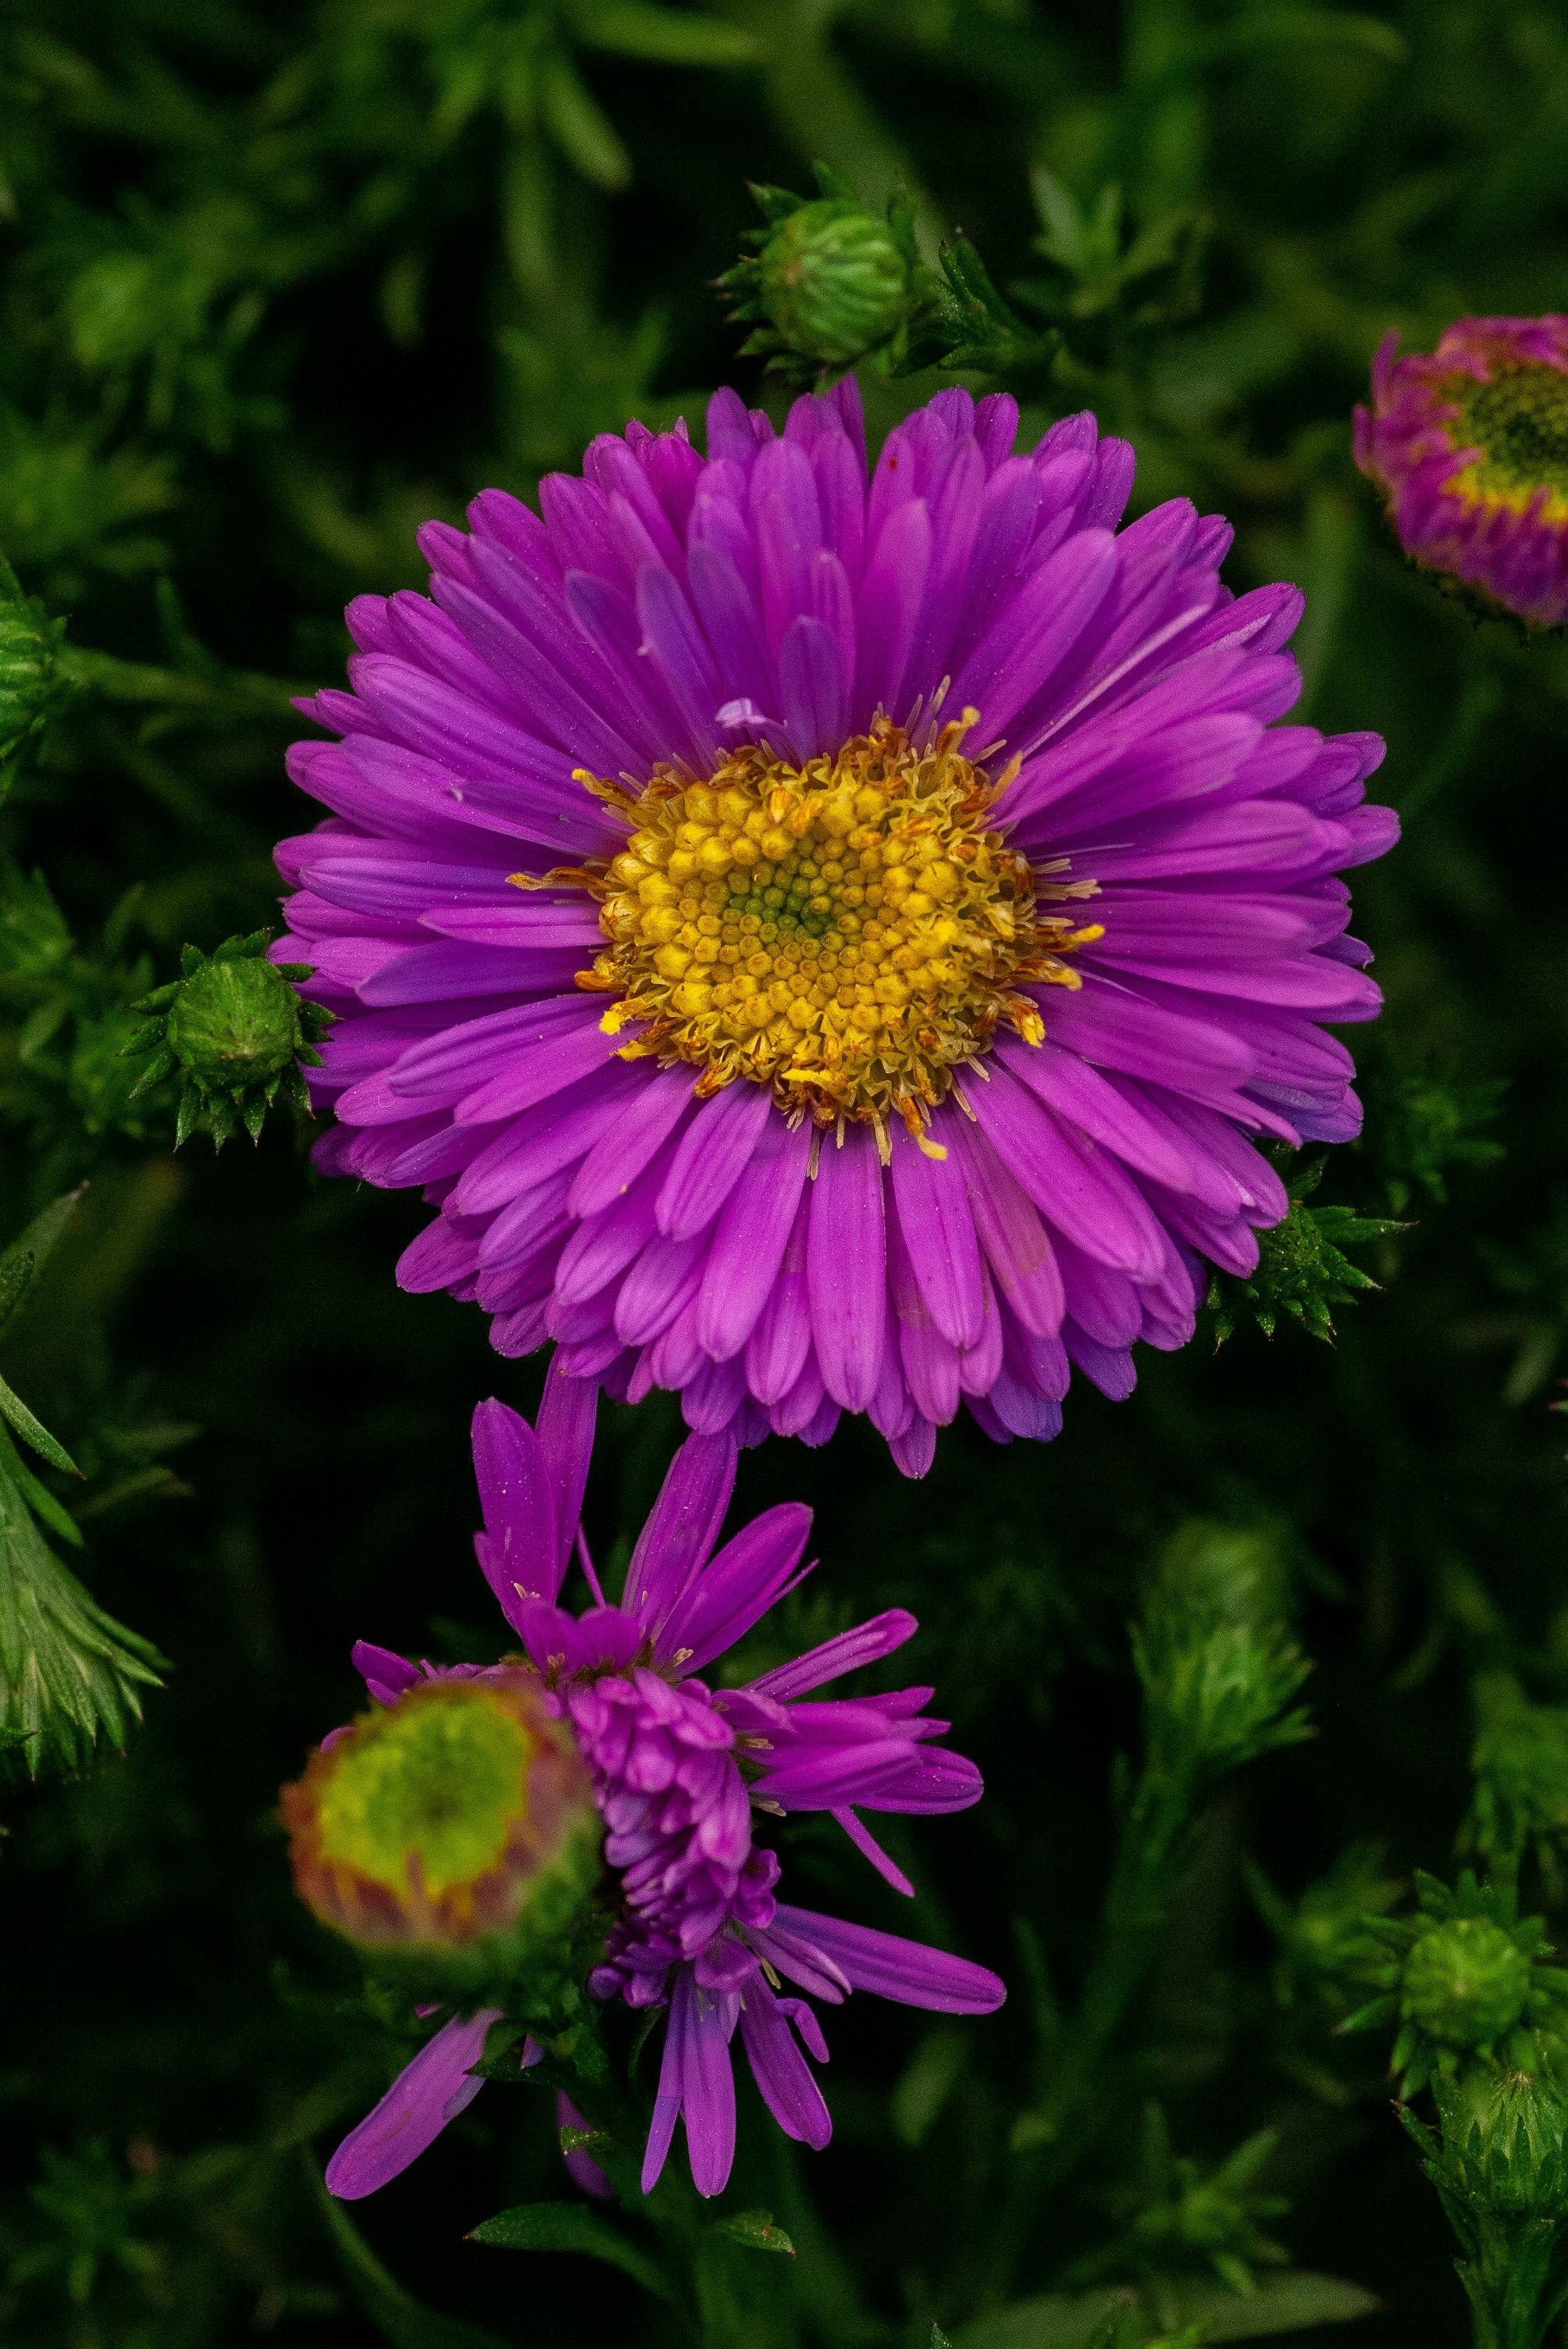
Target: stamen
column 846, row 932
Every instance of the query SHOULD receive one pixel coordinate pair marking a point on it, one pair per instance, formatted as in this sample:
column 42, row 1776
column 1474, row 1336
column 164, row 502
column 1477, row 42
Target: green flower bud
column 1515, row 2143
column 452, row 1836
column 833, row 280
column 1465, row 1982
column 235, row 1023
column 234, row 1026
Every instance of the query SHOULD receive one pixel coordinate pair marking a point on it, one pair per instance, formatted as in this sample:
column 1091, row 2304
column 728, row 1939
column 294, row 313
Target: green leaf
column 1283, row 2303
column 1266, row 29
column 757, row 2231
column 632, row 29
column 32, row 1430
column 569, row 2227
column 27, row 1255
column 394, row 2312
column 582, row 132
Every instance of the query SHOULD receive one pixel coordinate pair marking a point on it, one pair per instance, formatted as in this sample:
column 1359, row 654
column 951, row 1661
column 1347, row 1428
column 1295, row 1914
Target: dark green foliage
column 279, row 282
column 68, row 1672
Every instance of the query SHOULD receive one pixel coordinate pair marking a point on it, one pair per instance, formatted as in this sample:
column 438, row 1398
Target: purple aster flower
column 825, row 947
column 680, row 1771
column 1469, row 444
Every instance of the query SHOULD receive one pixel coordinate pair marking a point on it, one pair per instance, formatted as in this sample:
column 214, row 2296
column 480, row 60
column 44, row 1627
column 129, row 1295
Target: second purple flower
column 431, row 1832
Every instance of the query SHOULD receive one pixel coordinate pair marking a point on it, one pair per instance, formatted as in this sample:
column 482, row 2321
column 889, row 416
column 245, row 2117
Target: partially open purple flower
column 1470, row 445
column 680, row 1771
column 826, row 946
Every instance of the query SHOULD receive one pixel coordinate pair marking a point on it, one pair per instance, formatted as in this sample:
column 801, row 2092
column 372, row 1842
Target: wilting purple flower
column 1470, row 445
column 680, row 1770
column 754, row 1045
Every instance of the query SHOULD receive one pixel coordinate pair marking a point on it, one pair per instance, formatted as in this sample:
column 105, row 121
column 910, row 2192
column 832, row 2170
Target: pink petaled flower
column 680, row 1771
column 1470, row 445
column 827, row 946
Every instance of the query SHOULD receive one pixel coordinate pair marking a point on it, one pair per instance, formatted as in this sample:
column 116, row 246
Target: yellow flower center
column 847, row 932
column 1519, row 420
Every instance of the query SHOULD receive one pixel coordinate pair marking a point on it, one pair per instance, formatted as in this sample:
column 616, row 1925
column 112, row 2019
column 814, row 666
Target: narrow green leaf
column 32, row 1430
column 394, row 2312
column 43, row 1503
column 632, row 28
column 582, row 132
column 757, row 2231
column 569, row 2227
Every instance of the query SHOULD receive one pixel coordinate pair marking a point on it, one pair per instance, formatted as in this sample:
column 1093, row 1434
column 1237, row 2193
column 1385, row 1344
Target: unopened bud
column 1465, row 1982
column 233, row 1028
column 833, row 281
column 452, row 1835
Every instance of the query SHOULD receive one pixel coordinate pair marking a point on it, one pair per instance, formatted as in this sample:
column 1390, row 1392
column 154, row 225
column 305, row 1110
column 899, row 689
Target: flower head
column 1470, row 445
column 680, row 1772
column 831, row 946
column 450, row 1832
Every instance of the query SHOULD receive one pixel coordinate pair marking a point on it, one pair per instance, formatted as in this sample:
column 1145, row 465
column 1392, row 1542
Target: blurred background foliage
column 277, row 282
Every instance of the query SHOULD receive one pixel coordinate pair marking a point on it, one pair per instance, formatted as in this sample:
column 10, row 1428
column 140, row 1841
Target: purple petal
column 567, row 1412
column 778, row 2068
column 518, row 1546
column 867, row 1845
column 380, row 1670
column 682, row 1527
column 748, row 1246
column 866, row 1644
column 711, row 1157
column 845, row 1266
column 893, row 1968
column 720, row 1604
column 427, row 2094
column 697, row 2082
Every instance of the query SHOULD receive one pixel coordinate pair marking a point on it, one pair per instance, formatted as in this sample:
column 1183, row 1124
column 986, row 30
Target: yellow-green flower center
column 440, row 1779
column 847, row 932
column 1520, row 422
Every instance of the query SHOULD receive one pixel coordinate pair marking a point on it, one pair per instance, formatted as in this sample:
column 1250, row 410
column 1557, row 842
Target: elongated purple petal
column 519, row 1550
column 696, row 2084
column 737, row 1587
column 427, row 2094
column 866, row 1644
column 779, row 2069
column 892, row 1967
column 683, row 1526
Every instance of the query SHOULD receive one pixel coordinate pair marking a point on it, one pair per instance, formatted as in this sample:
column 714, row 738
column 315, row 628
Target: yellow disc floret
column 847, row 932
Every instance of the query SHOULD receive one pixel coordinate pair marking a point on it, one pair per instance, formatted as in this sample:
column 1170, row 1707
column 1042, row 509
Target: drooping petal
column 696, row 2084
column 779, row 2069
column 427, row 2094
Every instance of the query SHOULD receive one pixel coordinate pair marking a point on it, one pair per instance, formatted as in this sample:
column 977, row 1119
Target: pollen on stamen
column 845, row 932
